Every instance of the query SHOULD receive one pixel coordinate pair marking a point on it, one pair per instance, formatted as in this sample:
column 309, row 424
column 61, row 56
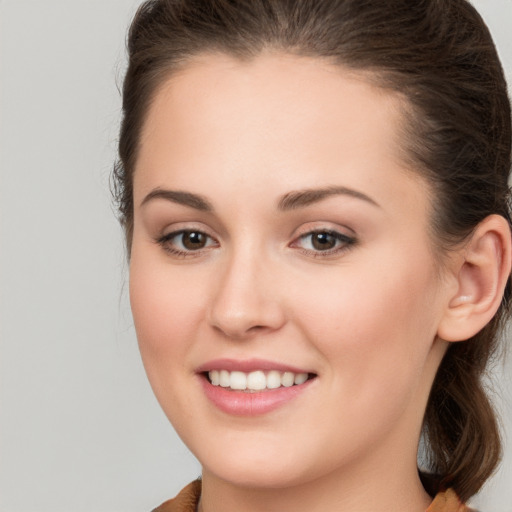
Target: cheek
column 166, row 308
column 376, row 325
column 167, row 312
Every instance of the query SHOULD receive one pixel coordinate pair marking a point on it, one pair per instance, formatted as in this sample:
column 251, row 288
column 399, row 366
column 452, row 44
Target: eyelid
column 183, row 226
column 315, row 227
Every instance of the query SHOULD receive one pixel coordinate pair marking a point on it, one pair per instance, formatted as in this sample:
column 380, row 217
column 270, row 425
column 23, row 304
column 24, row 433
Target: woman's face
column 278, row 237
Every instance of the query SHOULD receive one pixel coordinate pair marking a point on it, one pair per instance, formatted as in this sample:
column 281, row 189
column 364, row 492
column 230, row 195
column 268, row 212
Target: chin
column 277, row 466
column 259, row 476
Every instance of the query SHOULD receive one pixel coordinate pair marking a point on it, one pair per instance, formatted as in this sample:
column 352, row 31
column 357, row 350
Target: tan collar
column 188, row 499
column 447, row 501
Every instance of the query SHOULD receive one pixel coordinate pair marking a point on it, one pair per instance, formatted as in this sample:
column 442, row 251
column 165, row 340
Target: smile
column 253, row 387
column 254, row 381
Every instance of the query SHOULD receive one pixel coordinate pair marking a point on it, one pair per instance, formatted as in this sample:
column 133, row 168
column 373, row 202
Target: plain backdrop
column 79, row 427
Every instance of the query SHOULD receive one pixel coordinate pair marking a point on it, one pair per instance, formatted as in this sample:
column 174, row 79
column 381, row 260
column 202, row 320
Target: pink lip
column 240, row 403
column 249, row 365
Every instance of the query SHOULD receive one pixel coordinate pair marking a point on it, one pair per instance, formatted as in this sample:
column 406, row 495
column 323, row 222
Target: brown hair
column 439, row 55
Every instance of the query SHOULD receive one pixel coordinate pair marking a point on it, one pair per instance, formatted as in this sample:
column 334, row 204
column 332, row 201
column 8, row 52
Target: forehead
column 267, row 92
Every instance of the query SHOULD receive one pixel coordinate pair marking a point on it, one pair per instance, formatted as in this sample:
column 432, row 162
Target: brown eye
column 186, row 242
column 323, row 241
column 193, row 240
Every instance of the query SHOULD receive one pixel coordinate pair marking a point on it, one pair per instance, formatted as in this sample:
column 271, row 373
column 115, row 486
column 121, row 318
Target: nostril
column 257, row 328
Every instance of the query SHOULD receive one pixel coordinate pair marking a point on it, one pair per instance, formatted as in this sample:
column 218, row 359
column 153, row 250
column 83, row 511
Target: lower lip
column 240, row 403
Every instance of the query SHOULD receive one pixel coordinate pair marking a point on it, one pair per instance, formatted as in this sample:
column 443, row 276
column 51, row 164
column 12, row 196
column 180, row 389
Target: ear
column 481, row 268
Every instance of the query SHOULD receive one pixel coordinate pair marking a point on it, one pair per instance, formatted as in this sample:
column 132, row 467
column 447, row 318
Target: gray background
column 79, row 427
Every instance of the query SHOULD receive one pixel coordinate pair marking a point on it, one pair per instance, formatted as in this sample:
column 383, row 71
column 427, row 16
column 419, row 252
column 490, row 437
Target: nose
column 247, row 299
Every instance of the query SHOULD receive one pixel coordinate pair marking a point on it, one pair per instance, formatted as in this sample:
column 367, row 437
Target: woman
column 315, row 201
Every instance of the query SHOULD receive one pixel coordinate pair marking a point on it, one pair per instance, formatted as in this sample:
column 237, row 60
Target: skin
column 363, row 318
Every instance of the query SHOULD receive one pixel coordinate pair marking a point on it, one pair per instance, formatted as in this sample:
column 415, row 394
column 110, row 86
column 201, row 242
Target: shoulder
column 185, row 501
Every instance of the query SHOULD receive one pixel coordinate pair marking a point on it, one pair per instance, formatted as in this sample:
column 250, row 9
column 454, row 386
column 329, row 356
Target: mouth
column 253, row 387
column 256, row 381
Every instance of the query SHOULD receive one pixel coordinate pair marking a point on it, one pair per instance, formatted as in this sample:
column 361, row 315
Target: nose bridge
column 246, row 299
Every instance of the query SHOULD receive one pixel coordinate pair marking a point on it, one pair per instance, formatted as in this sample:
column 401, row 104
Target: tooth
column 214, row 377
column 300, row 378
column 256, row 380
column 238, row 380
column 287, row 379
column 273, row 380
column 224, row 379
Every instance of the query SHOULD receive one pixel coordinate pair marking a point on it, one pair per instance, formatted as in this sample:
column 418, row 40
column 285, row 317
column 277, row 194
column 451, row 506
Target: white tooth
column 238, row 380
column 287, row 379
column 224, row 378
column 214, row 377
column 256, row 380
column 273, row 379
column 300, row 378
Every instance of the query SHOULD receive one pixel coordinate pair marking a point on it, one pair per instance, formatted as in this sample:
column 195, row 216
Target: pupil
column 194, row 240
column 323, row 241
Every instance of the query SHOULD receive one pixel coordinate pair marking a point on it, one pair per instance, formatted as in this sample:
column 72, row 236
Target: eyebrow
column 290, row 201
column 303, row 198
column 177, row 196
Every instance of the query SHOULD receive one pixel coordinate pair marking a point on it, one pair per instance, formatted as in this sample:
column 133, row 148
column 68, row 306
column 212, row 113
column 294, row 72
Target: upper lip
column 248, row 365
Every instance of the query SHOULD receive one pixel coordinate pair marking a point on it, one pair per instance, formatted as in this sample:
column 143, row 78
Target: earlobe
column 482, row 273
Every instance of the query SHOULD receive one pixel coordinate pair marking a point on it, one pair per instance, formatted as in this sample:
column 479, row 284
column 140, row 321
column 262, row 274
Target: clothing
column 188, row 498
column 185, row 501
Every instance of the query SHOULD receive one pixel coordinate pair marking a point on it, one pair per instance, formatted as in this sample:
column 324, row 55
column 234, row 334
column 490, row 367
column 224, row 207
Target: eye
column 324, row 242
column 186, row 241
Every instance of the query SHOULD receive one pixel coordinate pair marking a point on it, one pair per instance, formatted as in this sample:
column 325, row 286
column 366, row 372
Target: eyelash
column 342, row 243
column 165, row 242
